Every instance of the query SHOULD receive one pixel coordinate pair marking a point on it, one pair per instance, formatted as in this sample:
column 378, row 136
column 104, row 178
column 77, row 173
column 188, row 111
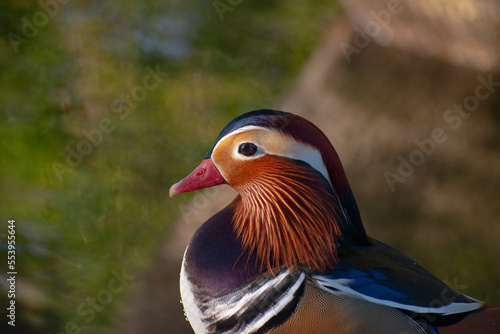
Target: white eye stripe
column 234, row 133
column 308, row 154
column 245, row 129
column 287, row 147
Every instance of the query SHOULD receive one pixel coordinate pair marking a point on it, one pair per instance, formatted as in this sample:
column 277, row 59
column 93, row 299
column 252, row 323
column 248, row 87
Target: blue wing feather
column 383, row 275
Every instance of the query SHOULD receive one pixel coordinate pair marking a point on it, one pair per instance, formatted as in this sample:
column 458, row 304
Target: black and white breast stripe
column 256, row 307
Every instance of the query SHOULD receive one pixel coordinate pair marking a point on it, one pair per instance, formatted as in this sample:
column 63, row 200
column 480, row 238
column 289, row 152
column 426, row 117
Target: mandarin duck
column 290, row 255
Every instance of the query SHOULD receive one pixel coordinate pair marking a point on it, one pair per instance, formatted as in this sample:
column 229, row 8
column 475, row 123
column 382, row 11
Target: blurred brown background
column 106, row 104
column 385, row 75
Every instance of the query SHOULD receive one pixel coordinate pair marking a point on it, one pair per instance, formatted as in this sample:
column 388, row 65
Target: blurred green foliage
column 84, row 64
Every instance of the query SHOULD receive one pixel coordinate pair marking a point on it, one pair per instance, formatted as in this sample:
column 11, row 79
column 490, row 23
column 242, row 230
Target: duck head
column 295, row 206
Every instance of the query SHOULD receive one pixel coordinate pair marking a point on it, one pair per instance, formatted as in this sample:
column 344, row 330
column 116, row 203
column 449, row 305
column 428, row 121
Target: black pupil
column 247, row 149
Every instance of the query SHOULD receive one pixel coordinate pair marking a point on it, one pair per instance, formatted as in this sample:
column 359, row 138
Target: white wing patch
column 341, row 286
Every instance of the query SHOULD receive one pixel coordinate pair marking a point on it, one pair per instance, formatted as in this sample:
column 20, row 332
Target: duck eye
column 247, row 149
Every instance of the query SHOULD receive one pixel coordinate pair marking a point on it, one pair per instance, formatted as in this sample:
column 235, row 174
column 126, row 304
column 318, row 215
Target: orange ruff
column 288, row 215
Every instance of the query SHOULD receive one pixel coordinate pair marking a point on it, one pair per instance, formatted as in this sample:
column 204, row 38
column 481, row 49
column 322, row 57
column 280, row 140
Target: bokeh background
column 104, row 105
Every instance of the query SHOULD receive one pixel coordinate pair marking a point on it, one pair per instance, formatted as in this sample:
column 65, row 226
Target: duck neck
column 290, row 217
